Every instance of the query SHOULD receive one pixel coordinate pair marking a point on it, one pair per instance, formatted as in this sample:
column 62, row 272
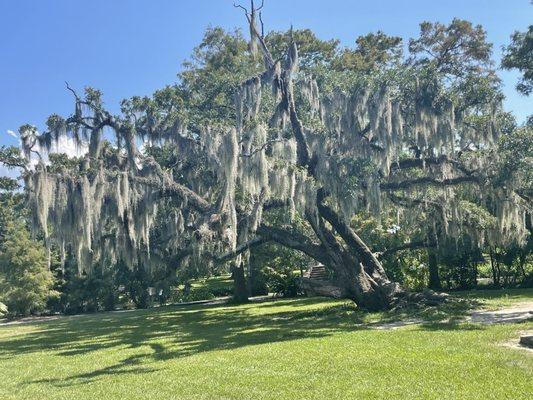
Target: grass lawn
column 286, row 349
column 492, row 299
column 218, row 285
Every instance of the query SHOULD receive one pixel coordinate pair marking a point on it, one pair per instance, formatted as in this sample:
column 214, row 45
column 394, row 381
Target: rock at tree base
column 527, row 341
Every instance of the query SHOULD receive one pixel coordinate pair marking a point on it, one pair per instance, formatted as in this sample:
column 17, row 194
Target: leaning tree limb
column 241, row 248
column 293, row 240
column 429, row 181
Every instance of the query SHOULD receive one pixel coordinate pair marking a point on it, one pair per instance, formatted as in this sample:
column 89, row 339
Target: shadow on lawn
column 173, row 332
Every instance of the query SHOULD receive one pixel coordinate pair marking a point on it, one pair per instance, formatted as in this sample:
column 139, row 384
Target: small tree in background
column 25, row 281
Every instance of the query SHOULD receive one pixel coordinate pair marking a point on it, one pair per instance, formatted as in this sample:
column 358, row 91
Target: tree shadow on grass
column 174, row 332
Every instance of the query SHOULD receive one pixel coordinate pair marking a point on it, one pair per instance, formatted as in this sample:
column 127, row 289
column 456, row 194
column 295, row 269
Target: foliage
column 87, row 293
column 207, row 83
column 197, row 294
column 25, row 281
column 519, row 55
column 372, row 51
column 276, row 270
column 512, row 266
column 312, row 51
column 11, row 157
column 3, row 309
column 283, row 282
column 288, row 148
column 456, row 49
column 516, row 159
column 8, row 184
column 459, row 258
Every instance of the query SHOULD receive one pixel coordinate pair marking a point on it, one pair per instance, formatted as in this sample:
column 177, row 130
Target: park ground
column 303, row 348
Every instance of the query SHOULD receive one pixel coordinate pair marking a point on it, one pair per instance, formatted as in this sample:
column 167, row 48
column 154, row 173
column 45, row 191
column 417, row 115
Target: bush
column 283, row 282
column 198, row 294
column 92, row 292
column 3, row 309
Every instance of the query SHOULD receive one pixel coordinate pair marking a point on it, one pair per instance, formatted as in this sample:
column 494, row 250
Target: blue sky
column 132, row 47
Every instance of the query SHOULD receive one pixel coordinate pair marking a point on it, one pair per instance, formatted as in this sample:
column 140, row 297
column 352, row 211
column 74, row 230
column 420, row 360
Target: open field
column 285, row 349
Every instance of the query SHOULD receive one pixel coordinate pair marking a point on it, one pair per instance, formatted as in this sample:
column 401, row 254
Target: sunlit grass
column 287, row 349
column 497, row 298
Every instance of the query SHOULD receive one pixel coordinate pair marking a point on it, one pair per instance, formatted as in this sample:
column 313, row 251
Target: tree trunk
column 352, row 282
column 374, row 291
column 494, row 268
column 357, row 269
column 249, row 276
column 358, row 274
column 240, row 290
column 433, row 266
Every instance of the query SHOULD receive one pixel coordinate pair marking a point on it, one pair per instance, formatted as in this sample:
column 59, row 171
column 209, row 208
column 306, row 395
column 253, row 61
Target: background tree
column 519, row 55
column 25, row 280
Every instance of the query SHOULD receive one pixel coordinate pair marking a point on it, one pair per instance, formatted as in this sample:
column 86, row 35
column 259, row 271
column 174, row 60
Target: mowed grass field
column 285, row 349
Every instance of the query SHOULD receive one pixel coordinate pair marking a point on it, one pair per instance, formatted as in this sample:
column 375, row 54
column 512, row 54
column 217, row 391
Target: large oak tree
column 284, row 124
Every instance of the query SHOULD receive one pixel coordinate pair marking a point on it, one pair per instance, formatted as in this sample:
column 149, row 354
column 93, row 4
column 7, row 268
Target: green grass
column 461, row 304
column 287, row 349
column 496, row 298
column 218, row 285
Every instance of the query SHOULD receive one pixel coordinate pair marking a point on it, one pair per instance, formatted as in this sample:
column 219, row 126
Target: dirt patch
column 515, row 343
column 517, row 313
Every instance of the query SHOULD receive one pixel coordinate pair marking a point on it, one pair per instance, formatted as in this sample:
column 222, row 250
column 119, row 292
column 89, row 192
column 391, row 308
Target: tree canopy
column 519, row 55
column 288, row 123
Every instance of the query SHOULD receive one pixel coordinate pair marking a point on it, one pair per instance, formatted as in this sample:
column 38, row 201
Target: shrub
column 92, row 292
column 198, row 293
column 283, row 282
column 3, row 309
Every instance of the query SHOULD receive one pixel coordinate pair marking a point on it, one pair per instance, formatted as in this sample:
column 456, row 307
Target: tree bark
column 433, row 266
column 434, row 277
column 495, row 269
column 240, row 290
column 249, row 276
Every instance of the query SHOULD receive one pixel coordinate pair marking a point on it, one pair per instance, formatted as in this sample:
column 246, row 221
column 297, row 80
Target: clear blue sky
column 132, row 47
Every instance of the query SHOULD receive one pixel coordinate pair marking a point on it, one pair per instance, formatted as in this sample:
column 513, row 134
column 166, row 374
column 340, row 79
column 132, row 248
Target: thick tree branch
column 171, row 188
column 293, row 240
column 407, row 202
column 366, row 256
column 250, row 16
column 428, row 161
column 429, row 181
column 256, row 241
